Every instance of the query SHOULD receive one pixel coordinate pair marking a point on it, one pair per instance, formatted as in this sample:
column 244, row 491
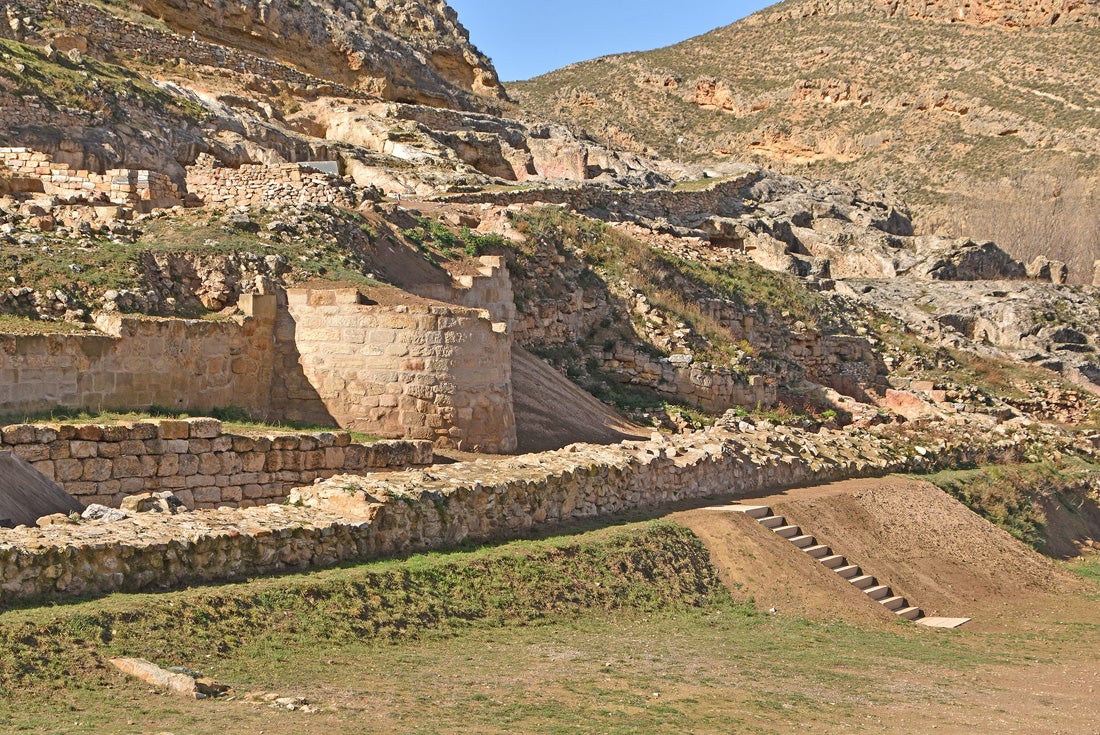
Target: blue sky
column 526, row 38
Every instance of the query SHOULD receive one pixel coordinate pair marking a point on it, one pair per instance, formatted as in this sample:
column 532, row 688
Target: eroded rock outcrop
column 406, row 51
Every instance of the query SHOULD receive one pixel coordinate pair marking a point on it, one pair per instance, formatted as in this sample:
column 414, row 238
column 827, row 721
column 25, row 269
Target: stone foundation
column 195, row 460
column 351, row 518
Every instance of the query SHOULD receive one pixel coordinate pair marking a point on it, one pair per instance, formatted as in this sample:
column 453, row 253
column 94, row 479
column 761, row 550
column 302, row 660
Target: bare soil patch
column 909, row 534
column 551, row 412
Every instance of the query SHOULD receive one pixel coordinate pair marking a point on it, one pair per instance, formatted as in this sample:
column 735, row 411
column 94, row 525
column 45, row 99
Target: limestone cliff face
column 413, row 51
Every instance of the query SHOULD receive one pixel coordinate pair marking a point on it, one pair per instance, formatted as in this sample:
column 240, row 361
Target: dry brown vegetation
column 986, row 131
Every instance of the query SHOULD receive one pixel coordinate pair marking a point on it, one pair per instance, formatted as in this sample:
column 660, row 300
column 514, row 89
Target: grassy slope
column 1049, row 506
column 620, row 631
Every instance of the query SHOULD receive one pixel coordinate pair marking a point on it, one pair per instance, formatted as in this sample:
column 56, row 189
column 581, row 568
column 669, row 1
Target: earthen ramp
column 551, row 412
column 26, row 495
column 907, row 533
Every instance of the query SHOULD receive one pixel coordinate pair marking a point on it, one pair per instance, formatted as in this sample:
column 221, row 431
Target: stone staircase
column 870, row 586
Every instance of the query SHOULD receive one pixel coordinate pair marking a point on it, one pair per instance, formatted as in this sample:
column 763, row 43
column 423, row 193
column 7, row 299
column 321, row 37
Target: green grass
column 622, row 630
column 647, row 567
column 1087, row 567
column 89, row 85
column 15, row 324
column 1010, row 495
column 234, row 420
column 330, row 245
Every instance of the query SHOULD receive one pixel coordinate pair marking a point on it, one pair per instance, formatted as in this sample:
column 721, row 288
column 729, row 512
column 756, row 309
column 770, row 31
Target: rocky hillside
column 390, row 93
column 984, row 116
column 415, row 52
column 173, row 159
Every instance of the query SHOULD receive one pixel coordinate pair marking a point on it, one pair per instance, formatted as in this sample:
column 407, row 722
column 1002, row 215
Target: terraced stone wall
column 194, row 459
column 350, row 518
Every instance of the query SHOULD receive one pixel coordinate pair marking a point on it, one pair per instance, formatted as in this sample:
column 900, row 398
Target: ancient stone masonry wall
column 257, row 184
column 490, row 290
column 711, row 387
column 350, row 518
column 30, row 111
column 202, row 466
column 141, row 189
column 140, row 362
column 724, row 198
column 848, row 364
column 422, row 371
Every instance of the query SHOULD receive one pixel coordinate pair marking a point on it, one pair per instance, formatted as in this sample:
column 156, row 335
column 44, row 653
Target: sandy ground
column 948, row 561
column 552, row 412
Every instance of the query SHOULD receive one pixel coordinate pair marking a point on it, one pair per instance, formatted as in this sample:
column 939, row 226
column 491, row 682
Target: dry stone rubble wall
column 144, row 190
column 350, row 518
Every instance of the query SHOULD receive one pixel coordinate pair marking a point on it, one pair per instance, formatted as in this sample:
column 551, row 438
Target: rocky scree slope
column 983, row 116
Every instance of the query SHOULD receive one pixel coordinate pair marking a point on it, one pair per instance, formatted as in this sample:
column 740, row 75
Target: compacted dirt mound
column 551, row 412
column 756, row 564
column 912, row 536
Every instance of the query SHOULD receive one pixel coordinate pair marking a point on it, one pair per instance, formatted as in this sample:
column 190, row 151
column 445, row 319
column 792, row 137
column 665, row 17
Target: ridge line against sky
column 526, row 38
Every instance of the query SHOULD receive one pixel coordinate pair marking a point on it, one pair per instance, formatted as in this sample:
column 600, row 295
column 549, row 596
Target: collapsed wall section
column 421, row 370
column 37, row 171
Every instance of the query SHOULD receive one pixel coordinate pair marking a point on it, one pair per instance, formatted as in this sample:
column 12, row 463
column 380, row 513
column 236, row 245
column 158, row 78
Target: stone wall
column 204, row 467
column 422, row 370
column 30, row 111
column 141, row 362
column 490, row 289
column 144, row 190
column 254, row 184
column 711, row 387
column 724, row 198
column 356, row 518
